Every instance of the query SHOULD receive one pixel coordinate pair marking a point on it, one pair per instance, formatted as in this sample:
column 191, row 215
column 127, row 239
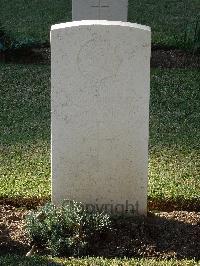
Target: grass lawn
column 25, row 130
column 28, row 21
column 174, row 163
column 44, row 261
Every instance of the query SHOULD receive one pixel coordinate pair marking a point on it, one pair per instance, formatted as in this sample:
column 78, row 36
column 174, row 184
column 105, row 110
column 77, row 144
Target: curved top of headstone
column 99, row 22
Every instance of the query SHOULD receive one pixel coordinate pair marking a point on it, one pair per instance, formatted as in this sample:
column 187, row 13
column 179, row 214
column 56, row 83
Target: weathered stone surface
column 100, row 112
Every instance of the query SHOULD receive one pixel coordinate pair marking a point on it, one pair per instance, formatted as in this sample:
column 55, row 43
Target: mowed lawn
column 171, row 21
column 10, row 260
column 174, row 148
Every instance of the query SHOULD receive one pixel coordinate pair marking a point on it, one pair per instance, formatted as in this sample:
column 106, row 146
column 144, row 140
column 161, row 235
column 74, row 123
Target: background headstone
column 113, row 10
column 100, row 112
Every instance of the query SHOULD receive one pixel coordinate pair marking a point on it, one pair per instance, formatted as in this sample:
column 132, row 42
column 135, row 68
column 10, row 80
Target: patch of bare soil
column 174, row 59
column 164, row 234
column 162, row 58
column 21, row 202
column 168, row 205
column 12, row 234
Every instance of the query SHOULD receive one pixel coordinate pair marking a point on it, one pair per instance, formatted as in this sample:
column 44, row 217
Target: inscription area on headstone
column 100, row 6
column 113, row 10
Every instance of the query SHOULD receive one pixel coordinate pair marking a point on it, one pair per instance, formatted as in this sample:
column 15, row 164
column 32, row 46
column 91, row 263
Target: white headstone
column 114, row 10
column 100, row 114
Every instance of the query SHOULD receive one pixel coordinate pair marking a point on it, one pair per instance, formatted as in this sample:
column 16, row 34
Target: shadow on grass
column 13, row 260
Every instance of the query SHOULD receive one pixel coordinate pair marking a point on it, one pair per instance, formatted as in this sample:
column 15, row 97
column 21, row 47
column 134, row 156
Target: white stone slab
column 100, row 74
column 113, row 10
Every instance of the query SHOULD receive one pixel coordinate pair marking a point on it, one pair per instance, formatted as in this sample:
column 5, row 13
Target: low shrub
column 68, row 230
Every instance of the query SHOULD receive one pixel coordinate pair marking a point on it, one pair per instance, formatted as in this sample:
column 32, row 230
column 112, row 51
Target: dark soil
column 12, row 234
column 167, row 205
column 161, row 57
column 165, row 235
column 174, row 59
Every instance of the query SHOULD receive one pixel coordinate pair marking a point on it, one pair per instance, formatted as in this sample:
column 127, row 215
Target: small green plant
column 68, row 230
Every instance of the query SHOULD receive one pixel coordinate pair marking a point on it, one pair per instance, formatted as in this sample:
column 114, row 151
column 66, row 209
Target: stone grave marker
column 113, row 10
column 100, row 74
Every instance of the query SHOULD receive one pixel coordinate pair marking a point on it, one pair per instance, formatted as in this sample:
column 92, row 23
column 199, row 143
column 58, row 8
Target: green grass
column 168, row 19
column 174, row 163
column 44, row 261
column 31, row 20
column 25, row 130
column 174, row 166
